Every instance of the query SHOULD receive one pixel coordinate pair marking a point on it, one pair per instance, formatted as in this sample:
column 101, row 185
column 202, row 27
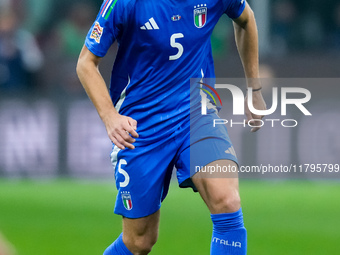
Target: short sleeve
column 234, row 8
column 105, row 29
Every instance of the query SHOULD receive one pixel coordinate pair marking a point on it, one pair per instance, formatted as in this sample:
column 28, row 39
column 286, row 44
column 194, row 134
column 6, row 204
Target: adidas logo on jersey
column 150, row 25
column 231, row 151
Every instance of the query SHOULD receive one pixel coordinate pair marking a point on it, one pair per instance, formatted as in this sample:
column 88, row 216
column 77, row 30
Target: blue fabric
column 143, row 174
column 157, row 56
column 117, row 248
column 229, row 234
column 234, row 8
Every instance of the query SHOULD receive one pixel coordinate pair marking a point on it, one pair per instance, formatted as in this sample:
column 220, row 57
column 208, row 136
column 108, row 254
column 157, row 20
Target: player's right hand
column 122, row 131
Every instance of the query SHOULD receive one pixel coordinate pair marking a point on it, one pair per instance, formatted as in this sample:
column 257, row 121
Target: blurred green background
column 75, row 217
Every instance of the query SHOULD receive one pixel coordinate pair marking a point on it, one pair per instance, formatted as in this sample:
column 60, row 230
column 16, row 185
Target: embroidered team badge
column 176, row 17
column 97, row 32
column 127, row 202
column 200, row 15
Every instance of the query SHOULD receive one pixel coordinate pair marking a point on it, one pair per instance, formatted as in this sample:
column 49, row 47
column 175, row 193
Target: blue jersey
column 162, row 45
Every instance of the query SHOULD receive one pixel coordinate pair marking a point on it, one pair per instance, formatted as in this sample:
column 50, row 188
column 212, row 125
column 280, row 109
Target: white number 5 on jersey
column 123, row 172
column 177, row 45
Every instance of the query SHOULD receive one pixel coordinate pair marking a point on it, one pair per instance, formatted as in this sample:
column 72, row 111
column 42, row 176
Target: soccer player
column 153, row 115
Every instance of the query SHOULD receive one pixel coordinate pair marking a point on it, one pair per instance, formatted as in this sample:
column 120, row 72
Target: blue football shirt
column 162, row 45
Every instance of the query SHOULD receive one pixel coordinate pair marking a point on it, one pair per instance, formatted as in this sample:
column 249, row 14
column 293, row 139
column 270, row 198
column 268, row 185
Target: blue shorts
column 143, row 174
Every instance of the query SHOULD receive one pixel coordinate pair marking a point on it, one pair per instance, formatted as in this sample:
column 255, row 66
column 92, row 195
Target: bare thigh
column 219, row 191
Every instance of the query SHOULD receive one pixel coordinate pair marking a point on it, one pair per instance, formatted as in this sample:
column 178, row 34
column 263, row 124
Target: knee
column 141, row 245
column 226, row 203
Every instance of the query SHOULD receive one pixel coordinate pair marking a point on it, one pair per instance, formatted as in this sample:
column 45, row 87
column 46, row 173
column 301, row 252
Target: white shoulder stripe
column 107, row 7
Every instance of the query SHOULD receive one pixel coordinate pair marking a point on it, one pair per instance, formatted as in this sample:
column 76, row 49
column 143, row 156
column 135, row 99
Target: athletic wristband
column 254, row 90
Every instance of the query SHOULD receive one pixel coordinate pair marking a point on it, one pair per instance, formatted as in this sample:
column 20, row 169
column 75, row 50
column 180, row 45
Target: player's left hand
column 259, row 104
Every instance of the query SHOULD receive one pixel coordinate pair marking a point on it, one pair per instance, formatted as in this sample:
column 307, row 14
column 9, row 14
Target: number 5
column 177, row 45
column 123, row 172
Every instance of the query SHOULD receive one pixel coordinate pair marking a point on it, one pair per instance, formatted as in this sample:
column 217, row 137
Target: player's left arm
column 246, row 37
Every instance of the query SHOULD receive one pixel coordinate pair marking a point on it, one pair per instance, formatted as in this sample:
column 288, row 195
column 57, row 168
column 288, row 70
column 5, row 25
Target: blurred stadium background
column 56, row 181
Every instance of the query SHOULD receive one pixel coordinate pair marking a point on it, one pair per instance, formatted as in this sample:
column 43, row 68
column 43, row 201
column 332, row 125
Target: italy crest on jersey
column 200, row 15
column 126, row 197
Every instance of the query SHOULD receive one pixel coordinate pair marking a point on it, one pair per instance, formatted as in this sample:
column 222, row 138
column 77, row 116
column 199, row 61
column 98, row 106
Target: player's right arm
column 118, row 127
